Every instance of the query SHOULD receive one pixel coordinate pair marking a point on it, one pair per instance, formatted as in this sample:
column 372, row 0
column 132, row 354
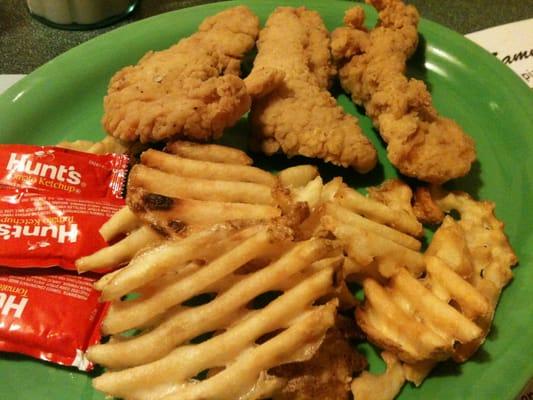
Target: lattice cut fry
column 122, row 222
column 372, row 228
column 120, row 252
column 178, row 195
column 388, row 325
column 409, row 320
column 351, row 218
column 385, row 386
column 122, row 353
column 396, row 195
column 165, row 184
column 311, row 193
column 416, row 373
column 158, row 363
column 208, row 152
column 449, row 244
column 468, row 263
column 239, row 249
column 379, row 211
column 154, row 262
column 78, row 145
column 195, row 168
column 365, row 246
column 108, row 144
column 471, row 303
column 298, row 176
column 491, row 256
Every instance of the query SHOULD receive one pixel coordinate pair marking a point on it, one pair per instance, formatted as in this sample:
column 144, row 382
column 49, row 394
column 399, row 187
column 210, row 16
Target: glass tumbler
column 80, row 14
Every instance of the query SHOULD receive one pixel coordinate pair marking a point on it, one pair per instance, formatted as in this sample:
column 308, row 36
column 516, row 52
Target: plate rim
column 425, row 24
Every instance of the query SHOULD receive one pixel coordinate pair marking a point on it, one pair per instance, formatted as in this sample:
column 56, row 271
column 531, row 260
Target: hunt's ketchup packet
column 51, row 314
column 53, row 202
column 61, row 171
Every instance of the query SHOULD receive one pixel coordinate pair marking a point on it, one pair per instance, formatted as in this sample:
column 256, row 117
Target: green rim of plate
column 62, row 100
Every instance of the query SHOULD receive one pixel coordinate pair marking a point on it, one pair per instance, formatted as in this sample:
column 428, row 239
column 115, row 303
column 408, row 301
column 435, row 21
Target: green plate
column 63, row 100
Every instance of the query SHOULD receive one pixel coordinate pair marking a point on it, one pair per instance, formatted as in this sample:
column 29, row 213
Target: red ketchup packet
column 63, row 172
column 51, row 314
column 53, row 202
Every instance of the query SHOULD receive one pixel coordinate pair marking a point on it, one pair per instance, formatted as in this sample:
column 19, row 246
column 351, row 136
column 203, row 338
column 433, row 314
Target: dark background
column 25, row 43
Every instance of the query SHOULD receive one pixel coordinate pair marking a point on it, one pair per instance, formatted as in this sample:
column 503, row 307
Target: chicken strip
column 327, row 375
column 297, row 115
column 420, row 142
column 191, row 90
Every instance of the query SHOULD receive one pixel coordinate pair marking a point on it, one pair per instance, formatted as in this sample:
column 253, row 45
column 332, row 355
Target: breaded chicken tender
column 191, row 90
column 327, row 375
column 420, row 142
column 292, row 110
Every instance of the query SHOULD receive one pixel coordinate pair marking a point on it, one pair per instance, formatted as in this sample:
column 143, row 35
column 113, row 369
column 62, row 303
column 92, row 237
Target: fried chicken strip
column 298, row 116
column 420, row 142
column 327, row 375
column 191, row 90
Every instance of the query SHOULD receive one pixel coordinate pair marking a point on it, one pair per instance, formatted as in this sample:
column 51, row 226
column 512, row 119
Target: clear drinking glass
column 80, row 14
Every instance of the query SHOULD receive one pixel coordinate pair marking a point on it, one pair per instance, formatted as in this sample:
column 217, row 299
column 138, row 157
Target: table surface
column 25, row 43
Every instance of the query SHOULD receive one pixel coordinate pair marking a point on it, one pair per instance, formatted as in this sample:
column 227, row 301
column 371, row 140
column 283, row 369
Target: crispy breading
column 299, row 116
column 420, row 142
column 190, row 90
column 425, row 208
column 327, row 375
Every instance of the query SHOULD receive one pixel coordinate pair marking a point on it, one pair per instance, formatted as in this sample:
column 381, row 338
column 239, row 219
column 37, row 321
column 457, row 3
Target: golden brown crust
column 424, row 207
column 299, row 116
column 167, row 96
column 327, row 375
column 420, row 142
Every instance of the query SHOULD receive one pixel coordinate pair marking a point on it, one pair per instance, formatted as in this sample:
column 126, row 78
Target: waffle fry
column 202, row 221
column 174, row 186
column 120, row 252
column 172, row 332
column 205, row 169
column 107, row 145
column 132, row 313
column 380, row 387
column 177, row 195
column 417, row 372
column 122, row 222
column 298, row 176
column 468, row 263
column 154, row 262
column 208, row 152
column 311, row 193
column 179, row 205
column 408, row 320
column 491, row 255
column 350, row 218
column 304, row 270
column 78, row 145
column 378, row 211
column 367, row 247
column 377, row 230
